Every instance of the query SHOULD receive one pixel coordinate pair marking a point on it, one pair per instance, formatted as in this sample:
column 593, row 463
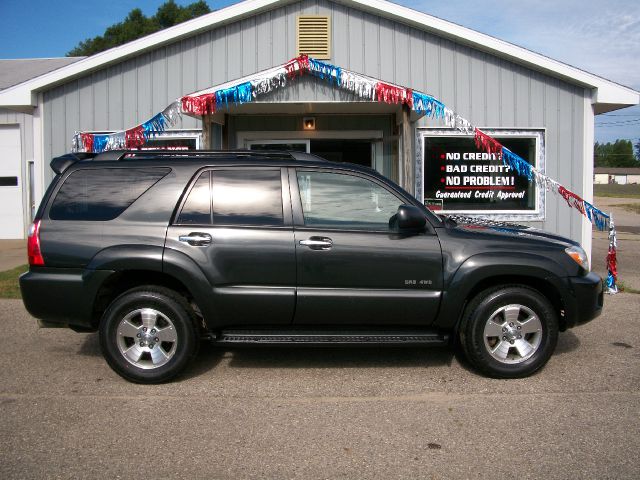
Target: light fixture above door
column 309, row 123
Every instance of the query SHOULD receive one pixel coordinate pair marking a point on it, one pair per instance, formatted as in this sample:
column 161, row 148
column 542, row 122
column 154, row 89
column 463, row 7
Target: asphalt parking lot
column 322, row 413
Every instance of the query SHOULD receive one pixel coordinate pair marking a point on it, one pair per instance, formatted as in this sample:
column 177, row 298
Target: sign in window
column 461, row 179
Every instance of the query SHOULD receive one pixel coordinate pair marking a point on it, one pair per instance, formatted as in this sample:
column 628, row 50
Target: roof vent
column 313, row 34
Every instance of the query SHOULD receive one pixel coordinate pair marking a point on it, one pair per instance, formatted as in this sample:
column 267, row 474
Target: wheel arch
column 481, row 272
column 541, row 285
column 124, row 280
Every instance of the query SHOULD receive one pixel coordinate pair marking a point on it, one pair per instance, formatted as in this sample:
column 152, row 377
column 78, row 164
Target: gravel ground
column 321, row 413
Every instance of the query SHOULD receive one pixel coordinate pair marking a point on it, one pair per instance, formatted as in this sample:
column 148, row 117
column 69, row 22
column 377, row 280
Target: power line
column 621, row 121
column 617, row 124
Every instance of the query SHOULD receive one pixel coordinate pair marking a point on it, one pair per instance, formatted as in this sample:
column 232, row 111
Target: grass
column 624, row 288
column 9, row 287
column 615, row 190
column 630, row 207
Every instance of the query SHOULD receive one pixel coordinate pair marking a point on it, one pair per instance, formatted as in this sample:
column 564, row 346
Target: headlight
column 579, row 256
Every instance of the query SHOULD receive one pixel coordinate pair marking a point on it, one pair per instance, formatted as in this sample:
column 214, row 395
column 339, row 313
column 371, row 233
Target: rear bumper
column 62, row 297
column 585, row 299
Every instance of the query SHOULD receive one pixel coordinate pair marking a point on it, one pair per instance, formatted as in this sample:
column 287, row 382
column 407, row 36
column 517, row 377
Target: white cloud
column 599, row 36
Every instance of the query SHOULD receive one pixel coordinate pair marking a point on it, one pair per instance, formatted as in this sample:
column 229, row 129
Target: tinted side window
column 100, row 194
column 247, row 197
column 197, row 208
column 334, row 200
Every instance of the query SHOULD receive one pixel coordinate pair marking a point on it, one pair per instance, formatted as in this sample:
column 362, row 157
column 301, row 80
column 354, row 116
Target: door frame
column 15, row 166
column 245, row 137
column 306, row 142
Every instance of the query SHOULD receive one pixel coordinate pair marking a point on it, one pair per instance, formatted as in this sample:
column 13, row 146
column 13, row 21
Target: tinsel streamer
column 243, row 93
column 237, row 94
column 572, row 199
column 391, row 94
column 487, row 143
column 87, row 141
column 363, row 87
column 408, row 98
column 596, row 216
column 325, row 71
column 154, row 126
column 463, row 125
column 100, row 143
column 134, row 137
column 517, row 163
column 264, row 85
column 544, row 182
column 359, row 85
column 297, row 66
column 172, row 113
column 449, row 118
column 427, row 105
column 453, row 120
column 612, row 261
column 117, row 141
column 76, row 142
column 200, row 104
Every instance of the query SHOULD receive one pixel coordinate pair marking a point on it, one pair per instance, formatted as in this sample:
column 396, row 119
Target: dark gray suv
column 160, row 250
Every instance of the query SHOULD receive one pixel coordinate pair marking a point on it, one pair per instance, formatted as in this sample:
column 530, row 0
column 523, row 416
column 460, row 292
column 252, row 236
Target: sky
column 599, row 36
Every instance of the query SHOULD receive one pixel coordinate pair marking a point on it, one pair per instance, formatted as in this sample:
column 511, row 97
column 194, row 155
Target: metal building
column 540, row 107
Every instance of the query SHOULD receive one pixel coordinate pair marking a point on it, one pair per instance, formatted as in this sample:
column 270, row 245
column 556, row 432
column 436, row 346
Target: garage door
column 11, row 212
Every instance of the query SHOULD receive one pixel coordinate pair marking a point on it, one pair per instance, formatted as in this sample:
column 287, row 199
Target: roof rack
column 117, row 155
column 61, row 163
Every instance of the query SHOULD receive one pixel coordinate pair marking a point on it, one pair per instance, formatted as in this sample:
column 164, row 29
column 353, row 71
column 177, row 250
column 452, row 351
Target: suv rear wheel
column 148, row 334
column 509, row 331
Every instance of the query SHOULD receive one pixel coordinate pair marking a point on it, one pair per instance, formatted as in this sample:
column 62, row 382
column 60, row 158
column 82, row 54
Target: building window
column 460, row 179
column 168, row 140
column 174, row 140
column 313, row 33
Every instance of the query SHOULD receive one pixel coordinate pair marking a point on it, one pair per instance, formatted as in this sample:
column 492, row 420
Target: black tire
column 166, row 352
column 491, row 312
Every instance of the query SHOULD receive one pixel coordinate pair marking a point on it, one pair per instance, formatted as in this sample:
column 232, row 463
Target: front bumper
column 585, row 301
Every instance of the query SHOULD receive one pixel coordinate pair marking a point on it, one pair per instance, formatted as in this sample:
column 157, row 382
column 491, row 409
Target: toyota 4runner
column 159, row 250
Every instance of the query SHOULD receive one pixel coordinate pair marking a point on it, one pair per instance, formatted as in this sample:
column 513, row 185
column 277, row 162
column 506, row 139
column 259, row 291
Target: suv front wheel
column 148, row 334
column 509, row 331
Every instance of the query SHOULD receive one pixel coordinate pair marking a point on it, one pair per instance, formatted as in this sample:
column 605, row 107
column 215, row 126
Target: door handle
column 317, row 243
column 196, row 239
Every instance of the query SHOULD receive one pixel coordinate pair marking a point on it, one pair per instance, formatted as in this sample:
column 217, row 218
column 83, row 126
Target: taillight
column 33, row 245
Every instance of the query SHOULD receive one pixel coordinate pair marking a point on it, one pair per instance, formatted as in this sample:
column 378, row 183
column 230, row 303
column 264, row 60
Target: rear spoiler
column 61, row 163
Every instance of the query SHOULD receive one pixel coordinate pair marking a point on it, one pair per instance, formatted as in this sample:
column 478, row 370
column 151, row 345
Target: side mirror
column 409, row 218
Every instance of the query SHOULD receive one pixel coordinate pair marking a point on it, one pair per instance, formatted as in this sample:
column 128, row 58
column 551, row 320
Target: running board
column 318, row 338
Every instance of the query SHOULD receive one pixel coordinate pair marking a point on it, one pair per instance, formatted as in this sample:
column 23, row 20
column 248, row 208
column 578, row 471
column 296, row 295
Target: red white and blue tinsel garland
column 246, row 90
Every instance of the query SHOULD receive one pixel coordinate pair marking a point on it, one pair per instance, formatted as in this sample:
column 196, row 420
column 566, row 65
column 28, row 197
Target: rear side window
column 100, row 194
column 235, row 197
column 197, row 208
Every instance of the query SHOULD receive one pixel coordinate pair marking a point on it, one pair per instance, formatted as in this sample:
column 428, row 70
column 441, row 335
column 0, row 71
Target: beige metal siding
column 489, row 91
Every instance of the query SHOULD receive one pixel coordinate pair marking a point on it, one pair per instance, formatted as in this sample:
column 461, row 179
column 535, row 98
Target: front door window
column 331, row 200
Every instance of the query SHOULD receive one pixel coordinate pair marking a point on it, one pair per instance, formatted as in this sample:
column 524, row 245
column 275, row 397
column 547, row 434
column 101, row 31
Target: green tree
column 137, row 25
column 638, row 150
column 616, row 154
